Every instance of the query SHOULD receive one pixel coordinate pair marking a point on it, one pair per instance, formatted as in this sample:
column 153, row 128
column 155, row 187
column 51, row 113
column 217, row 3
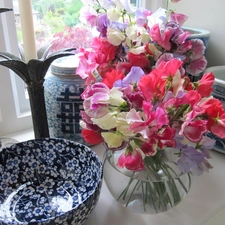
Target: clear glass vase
column 157, row 188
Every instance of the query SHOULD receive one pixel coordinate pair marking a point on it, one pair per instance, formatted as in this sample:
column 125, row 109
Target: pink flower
column 213, row 109
column 149, row 148
column 194, row 130
column 104, row 51
column 150, row 122
column 198, row 49
column 111, row 77
column 86, row 64
column 162, row 39
column 138, row 60
column 165, row 137
column 96, row 98
column 204, row 85
column 178, row 18
column 219, row 127
column 197, row 66
column 174, row 1
column 132, row 160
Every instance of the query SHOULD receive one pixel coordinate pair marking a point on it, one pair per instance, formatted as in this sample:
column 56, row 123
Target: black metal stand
column 33, row 73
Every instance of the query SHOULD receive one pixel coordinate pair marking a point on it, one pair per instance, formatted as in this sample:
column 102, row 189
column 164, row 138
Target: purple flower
column 132, row 77
column 102, row 24
column 141, row 16
column 118, row 25
column 191, row 158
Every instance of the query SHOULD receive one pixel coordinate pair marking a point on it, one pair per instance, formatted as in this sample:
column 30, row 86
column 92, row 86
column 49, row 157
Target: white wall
column 209, row 15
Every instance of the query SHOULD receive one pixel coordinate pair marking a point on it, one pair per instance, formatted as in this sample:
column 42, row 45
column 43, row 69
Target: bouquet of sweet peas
column 138, row 96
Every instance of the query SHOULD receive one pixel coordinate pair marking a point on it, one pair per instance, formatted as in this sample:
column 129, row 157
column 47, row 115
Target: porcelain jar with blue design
column 63, row 89
column 219, row 93
column 199, row 33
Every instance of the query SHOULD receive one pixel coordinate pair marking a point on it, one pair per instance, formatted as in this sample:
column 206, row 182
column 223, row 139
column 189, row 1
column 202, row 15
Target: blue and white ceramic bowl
column 219, row 93
column 48, row 181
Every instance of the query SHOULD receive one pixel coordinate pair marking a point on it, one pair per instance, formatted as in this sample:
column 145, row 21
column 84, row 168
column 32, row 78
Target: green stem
column 128, row 201
column 167, row 4
column 124, row 192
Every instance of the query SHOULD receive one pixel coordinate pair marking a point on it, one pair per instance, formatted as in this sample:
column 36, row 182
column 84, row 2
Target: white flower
column 138, row 50
column 143, row 38
column 157, row 17
column 115, row 37
column 88, row 15
column 122, row 125
column 106, row 122
column 113, row 14
column 113, row 140
column 132, row 32
column 106, row 4
column 125, row 4
column 116, row 97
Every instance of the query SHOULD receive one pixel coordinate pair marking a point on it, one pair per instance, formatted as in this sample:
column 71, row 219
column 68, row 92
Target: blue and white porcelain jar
column 63, row 89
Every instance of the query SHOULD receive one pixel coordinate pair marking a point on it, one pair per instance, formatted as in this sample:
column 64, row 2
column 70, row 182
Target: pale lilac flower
column 190, row 158
column 132, row 77
column 102, row 24
column 141, row 16
column 118, row 25
column 207, row 143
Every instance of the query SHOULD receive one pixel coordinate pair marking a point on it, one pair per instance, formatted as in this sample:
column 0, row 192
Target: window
column 14, row 106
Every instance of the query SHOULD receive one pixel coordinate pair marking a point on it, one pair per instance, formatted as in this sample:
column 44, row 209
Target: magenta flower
column 135, row 97
column 132, row 160
column 149, row 122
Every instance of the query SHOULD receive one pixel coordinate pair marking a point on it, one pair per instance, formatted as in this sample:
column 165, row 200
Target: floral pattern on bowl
column 48, row 181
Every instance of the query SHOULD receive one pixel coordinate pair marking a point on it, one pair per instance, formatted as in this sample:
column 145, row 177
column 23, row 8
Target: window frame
column 14, row 107
column 15, row 114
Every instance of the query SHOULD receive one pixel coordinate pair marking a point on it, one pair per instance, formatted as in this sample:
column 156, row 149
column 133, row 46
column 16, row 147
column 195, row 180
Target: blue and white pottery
column 48, row 182
column 63, row 89
column 219, row 93
column 199, row 33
